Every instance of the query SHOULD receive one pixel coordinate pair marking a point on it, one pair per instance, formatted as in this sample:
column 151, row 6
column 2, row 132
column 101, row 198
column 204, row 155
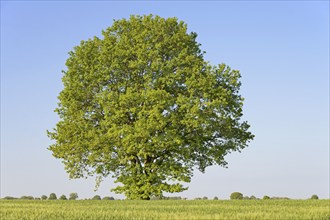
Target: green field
column 168, row 209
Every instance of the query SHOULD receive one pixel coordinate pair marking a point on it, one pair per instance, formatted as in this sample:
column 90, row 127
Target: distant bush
column 198, row 198
column 73, row 196
column 52, row 196
column 314, row 197
column 279, row 198
column 236, row 195
column 108, row 198
column 96, row 197
column 9, row 198
column 166, row 198
column 43, row 197
column 215, row 198
column 175, row 198
column 266, row 197
column 253, row 197
column 36, row 198
column 27, row 197
column 246, row 198
column 171, row 198
column 63, row 197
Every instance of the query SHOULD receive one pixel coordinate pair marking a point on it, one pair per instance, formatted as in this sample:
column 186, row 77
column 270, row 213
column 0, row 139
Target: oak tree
column 142, row 105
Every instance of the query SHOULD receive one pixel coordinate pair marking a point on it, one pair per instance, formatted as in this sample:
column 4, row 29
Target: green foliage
column 205, row 198
column 253, row 197
column 43, row 197
column 143, row 106
column 171, row 198
column 314, row 197
column 266, row 198
column 236, row 195
column 9, row 198
column 215, row 198
column 63, row 197
column 27, row 197
column 73, row 196
column 96, row 197
column 166, row 198
column 52, row 196
column 276, row 197
column 108, row 198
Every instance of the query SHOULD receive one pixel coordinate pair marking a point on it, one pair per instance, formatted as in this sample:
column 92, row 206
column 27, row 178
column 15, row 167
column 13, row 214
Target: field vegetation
column 164, row 209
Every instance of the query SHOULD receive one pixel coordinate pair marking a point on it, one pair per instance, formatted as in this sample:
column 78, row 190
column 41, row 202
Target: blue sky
column 281, row 49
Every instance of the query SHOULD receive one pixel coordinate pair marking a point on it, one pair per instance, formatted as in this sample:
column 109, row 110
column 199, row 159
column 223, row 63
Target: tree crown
column 143, row 106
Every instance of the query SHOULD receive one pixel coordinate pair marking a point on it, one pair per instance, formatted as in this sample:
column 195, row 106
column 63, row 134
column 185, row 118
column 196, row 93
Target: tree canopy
column 142, row 105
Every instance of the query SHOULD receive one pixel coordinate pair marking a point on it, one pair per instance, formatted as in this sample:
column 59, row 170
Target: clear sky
column 281, row 49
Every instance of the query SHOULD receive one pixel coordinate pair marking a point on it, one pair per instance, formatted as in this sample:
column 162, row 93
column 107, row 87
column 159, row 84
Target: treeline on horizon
column 74, row 196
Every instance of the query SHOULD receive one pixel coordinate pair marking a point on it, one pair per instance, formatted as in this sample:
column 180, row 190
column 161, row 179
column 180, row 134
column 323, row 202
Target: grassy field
column 168, row 209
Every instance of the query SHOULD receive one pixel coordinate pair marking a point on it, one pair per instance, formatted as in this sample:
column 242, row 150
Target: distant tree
column 36, row 198
column 43, row 197
column 142, row 99
column 215, row 198
column 63, row 197
column 108, row 198
column 27, row 197
column 96, row 197
column 253, row 197
column 52, row 196
column 279, row 198
column 174, row 198
column 266, row 197
column 236, row 195
column 205, row 198
column 246, row 198
column 198, row 198
column 9, row 198
column 314, row 197
column 73, row 196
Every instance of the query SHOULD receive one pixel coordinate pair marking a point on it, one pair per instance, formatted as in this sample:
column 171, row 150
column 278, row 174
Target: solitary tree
column 142, row 105
column 43, row 197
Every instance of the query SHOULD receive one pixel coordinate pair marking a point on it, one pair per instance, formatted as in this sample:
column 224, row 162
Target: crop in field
column 165, row 209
